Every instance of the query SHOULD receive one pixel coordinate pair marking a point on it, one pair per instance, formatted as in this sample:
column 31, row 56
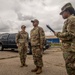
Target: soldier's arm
column 62, row 34
column 70, row 31
column 27, row 38
column 42, row 37
column 71, row 28
column 17, row 37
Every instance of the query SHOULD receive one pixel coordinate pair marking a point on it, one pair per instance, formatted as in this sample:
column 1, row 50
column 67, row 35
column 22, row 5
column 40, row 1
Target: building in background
column 53, row 39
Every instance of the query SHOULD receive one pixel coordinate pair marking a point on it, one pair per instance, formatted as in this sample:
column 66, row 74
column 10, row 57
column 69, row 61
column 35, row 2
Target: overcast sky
column 14, row 13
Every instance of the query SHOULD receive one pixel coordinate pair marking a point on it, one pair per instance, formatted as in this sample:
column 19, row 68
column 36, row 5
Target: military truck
column 8, row 41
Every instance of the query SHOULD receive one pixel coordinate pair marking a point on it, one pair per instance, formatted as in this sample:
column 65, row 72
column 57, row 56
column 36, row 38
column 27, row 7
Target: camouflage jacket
column 37, row 36
column 22, row 37
column 68, row 34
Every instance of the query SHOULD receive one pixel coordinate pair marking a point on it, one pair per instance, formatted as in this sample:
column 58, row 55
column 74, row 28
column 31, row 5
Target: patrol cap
column 35, row 20
column 66, row 6
column 23, row 26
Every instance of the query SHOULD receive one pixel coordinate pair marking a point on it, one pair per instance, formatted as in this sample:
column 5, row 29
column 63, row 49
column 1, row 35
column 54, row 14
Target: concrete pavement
column 53, row 63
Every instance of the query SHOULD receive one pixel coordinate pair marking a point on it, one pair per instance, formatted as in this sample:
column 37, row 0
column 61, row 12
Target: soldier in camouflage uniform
column 22, row 43
column 68, row 37
column 37, row 43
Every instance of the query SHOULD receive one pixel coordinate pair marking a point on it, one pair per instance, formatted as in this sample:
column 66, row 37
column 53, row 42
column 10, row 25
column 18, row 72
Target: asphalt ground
column 53, row 63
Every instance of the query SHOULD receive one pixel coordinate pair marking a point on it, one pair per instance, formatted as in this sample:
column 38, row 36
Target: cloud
column 4, row 26
column 14, row 13
column 22, row 17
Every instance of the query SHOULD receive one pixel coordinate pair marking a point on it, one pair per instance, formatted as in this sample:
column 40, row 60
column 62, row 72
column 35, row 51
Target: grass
column 55, row 44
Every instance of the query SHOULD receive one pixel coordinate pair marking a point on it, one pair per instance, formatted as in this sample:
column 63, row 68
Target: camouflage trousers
column 37, row 56
column 23, row 53
column 69, row 62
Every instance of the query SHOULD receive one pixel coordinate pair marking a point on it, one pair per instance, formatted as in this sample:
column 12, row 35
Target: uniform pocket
column 73, row 47
column 66, row 47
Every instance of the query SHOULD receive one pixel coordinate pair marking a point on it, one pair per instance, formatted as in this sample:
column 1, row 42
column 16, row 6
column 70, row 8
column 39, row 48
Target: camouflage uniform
column 68, row 44
column 37, row 41
column 22, row 41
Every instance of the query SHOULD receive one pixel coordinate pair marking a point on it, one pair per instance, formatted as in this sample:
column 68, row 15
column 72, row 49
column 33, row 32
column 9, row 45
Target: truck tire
column 1, row 47
column 12, row 49
column 30, row 51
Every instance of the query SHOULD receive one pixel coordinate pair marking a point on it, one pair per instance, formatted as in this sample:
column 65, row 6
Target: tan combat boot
column 25, row 65
column 39, row 70
column 34, row 70
column 22, row 65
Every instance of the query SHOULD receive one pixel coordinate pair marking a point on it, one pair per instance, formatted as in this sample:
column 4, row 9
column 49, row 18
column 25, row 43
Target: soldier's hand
column 17, row 45
column 55, row 33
